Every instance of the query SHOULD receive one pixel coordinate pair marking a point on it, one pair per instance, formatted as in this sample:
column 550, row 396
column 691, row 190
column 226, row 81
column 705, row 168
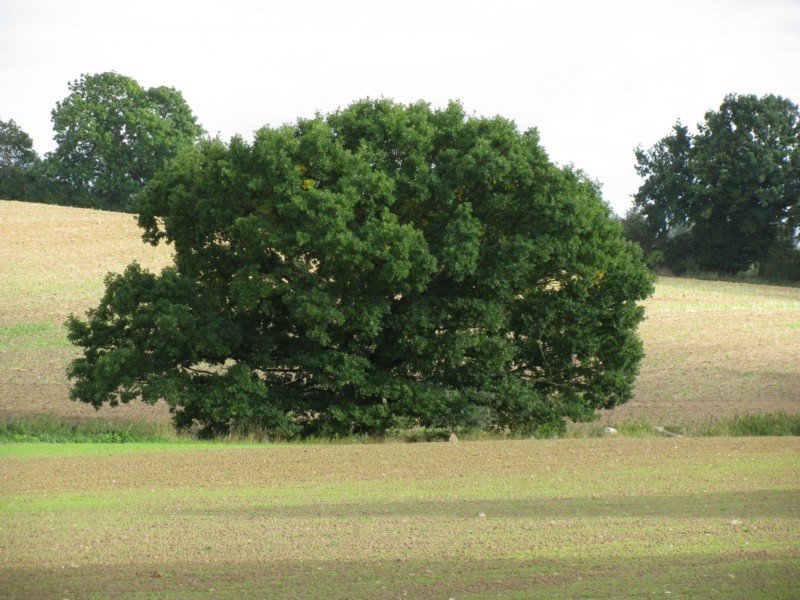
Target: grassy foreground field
column 618, row 518
column 713, row 348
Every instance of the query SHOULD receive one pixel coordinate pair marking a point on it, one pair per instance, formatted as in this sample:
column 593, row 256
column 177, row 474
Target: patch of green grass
column 775, row 424
column 53, row 429
column 630, row 428
column 36, row 450
column 50, row 428
column 498, row 498
column 19, row 330
column 757, row 425
column 36, row 335
column 636, row 428
column 746, row 278
column 766, row 424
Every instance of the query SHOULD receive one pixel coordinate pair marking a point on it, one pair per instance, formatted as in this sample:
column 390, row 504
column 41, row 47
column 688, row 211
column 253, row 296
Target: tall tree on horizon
column 17, row 160
column 113, row 135
column 734, row 186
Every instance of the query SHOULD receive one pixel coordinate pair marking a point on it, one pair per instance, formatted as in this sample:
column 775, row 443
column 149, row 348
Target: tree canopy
column 734, row 187
column 382, row 266
column 17, row 160
column 113, row 135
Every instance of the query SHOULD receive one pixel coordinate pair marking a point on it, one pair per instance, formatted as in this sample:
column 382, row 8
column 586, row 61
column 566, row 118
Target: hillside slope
column 52, row 263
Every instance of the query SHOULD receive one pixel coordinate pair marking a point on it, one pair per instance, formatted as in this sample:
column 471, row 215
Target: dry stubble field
column 713, row 348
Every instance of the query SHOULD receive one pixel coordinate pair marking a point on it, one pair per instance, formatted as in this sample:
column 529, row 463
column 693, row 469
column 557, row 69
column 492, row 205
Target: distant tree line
column 112, row 136
column 725, row 200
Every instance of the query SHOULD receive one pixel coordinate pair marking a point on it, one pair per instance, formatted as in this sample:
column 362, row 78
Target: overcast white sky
column 596, row 78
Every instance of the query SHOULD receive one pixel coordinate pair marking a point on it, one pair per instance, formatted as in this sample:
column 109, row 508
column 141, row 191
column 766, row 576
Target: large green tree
column 734, row 187
column 17, row 160
column 383, row 266
column 113, row 135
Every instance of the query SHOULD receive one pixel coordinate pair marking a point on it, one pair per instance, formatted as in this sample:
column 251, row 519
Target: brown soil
column 570, row 464
column 615, row 517
column 717, row 349
column 732, row 576
column 52, row 263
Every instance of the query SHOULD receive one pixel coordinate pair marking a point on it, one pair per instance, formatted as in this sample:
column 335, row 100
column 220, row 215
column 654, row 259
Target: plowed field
column 617, row 518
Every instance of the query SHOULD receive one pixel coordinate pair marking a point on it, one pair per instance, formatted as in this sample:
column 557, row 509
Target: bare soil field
column 580, row 518
column 713, row 348
column 52, row 263
column 716, row 348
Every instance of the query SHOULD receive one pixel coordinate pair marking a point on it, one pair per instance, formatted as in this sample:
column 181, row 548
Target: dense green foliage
column 17, row 160
column 113, row 135
column 723, row 199
column 384, row 266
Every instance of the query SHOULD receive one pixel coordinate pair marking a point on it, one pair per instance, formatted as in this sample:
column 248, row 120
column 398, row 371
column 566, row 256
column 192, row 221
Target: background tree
column 113, row 135
column 17, row 161
column 635, row 227
column 384, row 266
column 733, row 188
